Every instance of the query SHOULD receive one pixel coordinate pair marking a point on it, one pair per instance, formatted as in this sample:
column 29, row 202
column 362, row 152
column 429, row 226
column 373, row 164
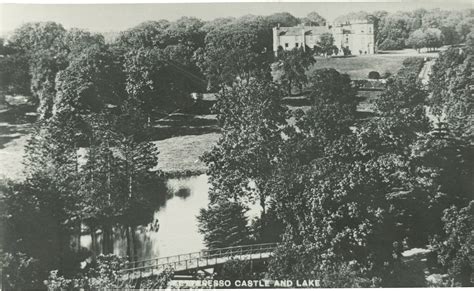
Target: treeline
column 345, row 197
column 174, row 58
column 195, row 55
column 418, row 28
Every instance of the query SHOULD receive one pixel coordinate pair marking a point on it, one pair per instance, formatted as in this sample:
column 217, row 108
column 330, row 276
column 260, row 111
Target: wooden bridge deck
column 197, row 260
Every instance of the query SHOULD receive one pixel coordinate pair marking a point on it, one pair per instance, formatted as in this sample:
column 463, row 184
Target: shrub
column 224, row 224
column 104, row 274
column 294, row 262
column 386, row 75
column 20, row 271
column 374, row 75
column 346, row 51
column 235, row 270
column 411, row 68
column 456, row 249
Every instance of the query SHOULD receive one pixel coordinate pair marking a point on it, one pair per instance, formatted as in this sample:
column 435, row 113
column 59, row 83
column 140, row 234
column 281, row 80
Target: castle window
column 297, row 44
column 286, row 44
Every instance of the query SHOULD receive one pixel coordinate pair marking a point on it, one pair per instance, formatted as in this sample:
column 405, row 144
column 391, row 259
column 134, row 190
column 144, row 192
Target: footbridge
column 196, row 261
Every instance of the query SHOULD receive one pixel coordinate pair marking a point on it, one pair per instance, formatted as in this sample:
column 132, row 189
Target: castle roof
column 308, row 30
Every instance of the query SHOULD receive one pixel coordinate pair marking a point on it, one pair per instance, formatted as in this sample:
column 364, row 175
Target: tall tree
column 240, row 166
column 281, row 19
column 417, row 39
column 14, row 75
column 145, row 35
column 238, row 50
column 224, row 224
column 314, row 19
column 292, row 66
column 326, row 44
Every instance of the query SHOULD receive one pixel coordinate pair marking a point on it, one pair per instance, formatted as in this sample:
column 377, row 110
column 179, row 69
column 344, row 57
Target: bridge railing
column 204, row 257
column 246, row 249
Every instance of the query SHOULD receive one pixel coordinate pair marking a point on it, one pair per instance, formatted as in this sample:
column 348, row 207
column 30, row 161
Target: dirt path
column 425, row 72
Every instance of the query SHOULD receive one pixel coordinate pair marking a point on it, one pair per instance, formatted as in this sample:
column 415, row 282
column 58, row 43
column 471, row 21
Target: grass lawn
column 178, row 154
column 13, row 139
column 358, row 67
column 181, row 154
column 14, row 133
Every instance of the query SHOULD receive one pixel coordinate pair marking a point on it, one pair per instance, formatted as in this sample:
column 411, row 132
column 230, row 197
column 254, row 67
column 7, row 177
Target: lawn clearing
column 11, row 157
column 358, row 67
column 180, row 155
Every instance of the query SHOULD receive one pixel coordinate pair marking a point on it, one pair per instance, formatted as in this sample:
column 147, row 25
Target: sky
column 118, row 17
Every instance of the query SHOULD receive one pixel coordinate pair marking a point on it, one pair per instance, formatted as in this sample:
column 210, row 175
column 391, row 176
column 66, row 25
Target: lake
column 178, row 226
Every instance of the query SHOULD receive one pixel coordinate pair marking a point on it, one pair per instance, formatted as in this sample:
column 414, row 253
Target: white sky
column 117, row 17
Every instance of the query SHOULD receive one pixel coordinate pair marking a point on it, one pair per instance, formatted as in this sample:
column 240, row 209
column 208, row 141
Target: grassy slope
column 178, row 154
column 358, row 67
column 11, row 156
column 14, row 132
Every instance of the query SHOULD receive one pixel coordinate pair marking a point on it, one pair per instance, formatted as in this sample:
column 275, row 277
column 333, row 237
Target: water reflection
column 174, row 228
column 183, row 193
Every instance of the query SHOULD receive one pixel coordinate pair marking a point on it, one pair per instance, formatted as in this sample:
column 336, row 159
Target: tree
column 186, row 31
column 394, row 30
column 251, row 116
column 38, row 219
column 37, row 36
column 238, row 50
column 314, row 19
column 374, row 75
column 15, row 78
column 216, row 23
column 346, row 51
column 455, row 251
column 91, row 81
column 417, row 39
column 160, row 64
column 48, row 48
column 42, row 43
column 433, row 38
column 329, row 84
column 353, row 16
column 464, row 27
column 326, row 44
column 224, row 224
column 433, row 18
column 77, row 40
column 145, row 35
column 240, row 165
column 19, row 272
column 284, row 19
column 292, row 66
column 116, row 181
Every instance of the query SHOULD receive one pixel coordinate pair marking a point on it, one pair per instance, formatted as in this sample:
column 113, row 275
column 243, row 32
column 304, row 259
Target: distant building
column 358, row 36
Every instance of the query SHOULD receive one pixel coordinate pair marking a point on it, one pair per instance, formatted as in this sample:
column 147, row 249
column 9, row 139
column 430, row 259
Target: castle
column 358, row 36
